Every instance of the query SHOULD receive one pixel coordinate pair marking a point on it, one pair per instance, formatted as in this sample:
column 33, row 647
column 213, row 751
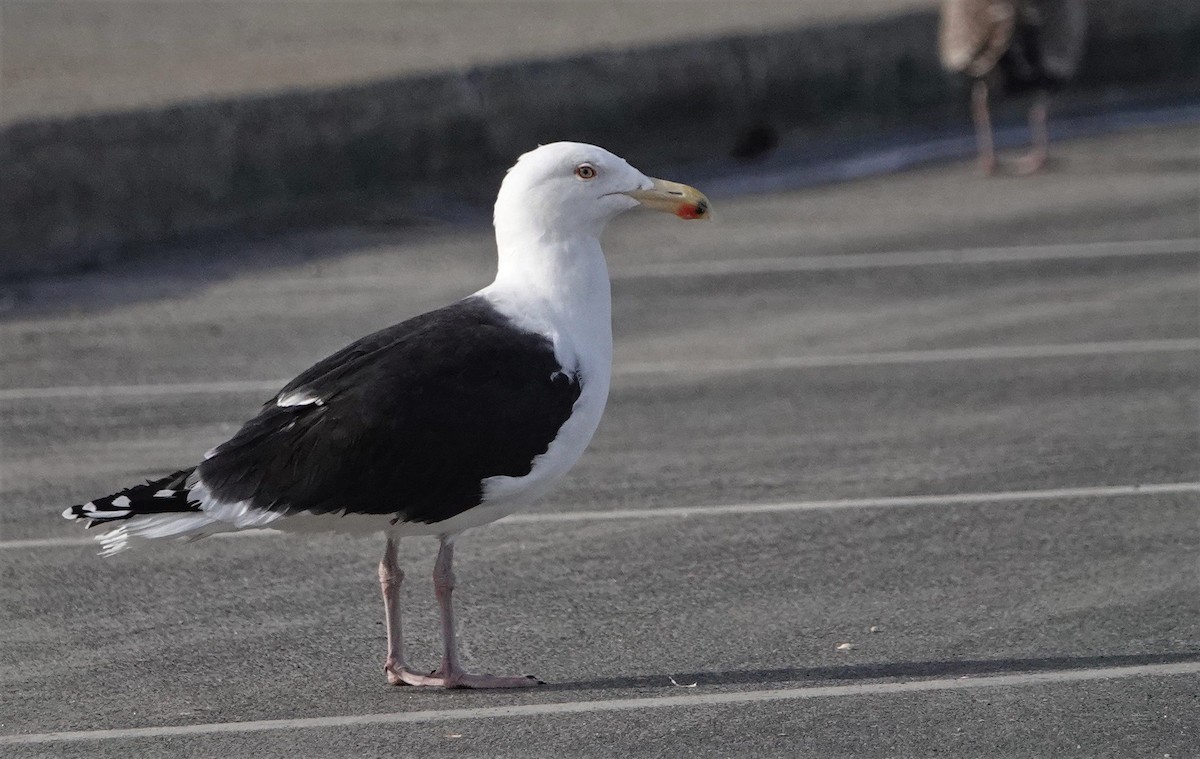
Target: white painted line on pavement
column 6, row 545
column 886, row 502
column 742, row 509
column 141, row 391
column 893, row 259
column 796, row 263
column 696, row 699
column 90, row 540
column 703, row 366
column 883, row 358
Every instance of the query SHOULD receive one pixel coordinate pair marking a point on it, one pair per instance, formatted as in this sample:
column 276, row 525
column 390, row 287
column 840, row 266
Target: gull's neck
column 556, row 284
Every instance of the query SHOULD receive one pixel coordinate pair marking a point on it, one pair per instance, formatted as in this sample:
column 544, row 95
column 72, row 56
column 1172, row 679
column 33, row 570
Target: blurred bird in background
column 1018, row 46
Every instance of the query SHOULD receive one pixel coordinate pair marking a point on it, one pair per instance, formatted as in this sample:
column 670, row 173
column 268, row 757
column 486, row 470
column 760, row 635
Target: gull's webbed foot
column 402, row 675
column 457, row 678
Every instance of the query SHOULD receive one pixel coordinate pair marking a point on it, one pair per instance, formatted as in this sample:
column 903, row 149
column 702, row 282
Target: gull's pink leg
column 451, row 674
column 1035, row 160
column 390, row 578
column 983, row 127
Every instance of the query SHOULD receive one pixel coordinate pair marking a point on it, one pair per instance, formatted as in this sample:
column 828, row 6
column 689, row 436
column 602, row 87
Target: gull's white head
column 566, row 189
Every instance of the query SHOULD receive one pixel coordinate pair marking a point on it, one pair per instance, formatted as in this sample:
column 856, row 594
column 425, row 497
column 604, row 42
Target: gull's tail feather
column 158, row 509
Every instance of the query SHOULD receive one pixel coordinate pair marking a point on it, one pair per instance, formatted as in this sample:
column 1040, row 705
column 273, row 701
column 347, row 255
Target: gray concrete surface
column 270, row 627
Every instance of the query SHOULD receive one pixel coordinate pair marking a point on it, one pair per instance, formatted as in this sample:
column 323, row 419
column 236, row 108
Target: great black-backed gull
column 449, row 420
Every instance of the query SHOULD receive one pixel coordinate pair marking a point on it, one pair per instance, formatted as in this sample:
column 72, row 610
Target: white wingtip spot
column 69, row 513
column 121, row 501
column 89, row 507
column 165, row 494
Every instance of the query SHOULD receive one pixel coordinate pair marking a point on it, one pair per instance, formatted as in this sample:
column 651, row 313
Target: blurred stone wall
column 77, row 191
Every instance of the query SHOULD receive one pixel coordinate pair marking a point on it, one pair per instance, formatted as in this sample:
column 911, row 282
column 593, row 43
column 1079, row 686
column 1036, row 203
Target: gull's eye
column 585, row 171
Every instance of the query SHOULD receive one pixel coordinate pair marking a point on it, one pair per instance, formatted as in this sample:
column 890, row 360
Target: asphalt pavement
column 964, row 480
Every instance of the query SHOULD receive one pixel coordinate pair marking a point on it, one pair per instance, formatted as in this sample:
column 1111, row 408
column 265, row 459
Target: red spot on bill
column 692, row 211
